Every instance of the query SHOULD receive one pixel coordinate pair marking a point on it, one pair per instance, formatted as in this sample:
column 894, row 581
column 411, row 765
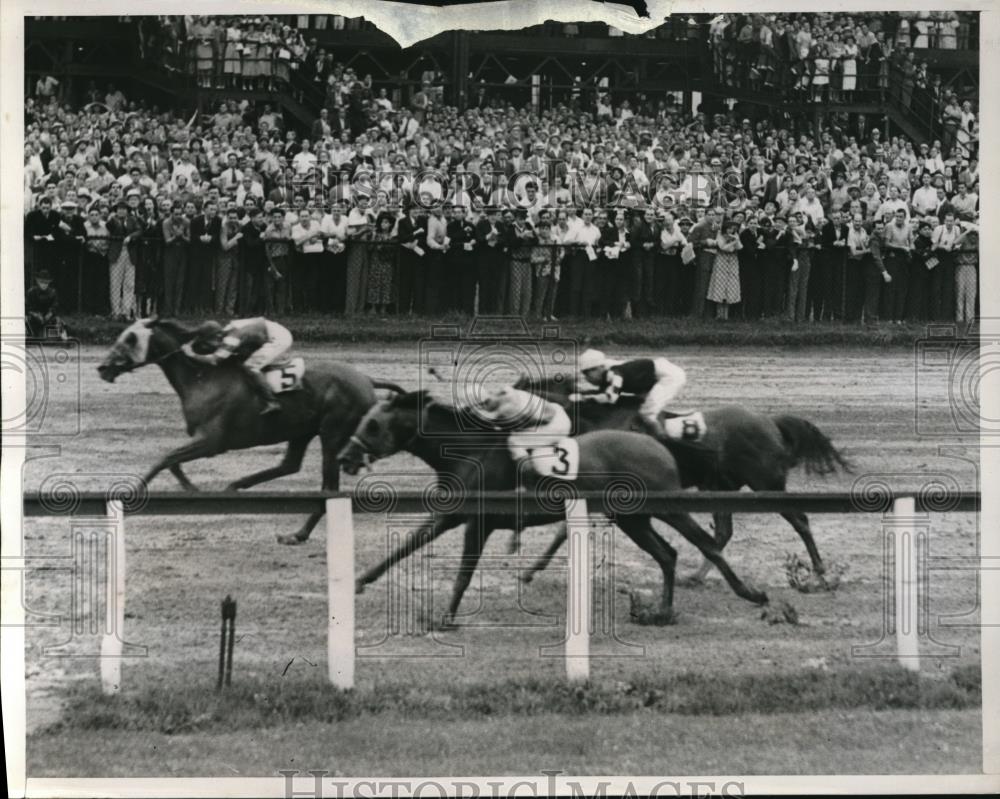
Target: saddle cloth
column 687, row 427
column 286, row 375
column 561, row 459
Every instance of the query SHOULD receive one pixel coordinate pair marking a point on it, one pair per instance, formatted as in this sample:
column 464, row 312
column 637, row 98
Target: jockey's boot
column 263, row 390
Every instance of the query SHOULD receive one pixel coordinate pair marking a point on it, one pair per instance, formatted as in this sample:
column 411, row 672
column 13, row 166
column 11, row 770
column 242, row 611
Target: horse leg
column 475, row 537
column 194, row 450
column 290, row 464
column 801, row 524
column 799, row 521
column 417, row 539
column 723, row 532
column 186, row 484
column 331, row 482
column 646, row 538
column 543, row 561
column 693, row 532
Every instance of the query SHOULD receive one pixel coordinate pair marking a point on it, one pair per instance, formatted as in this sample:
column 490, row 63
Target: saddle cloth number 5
column 686, row 428
column 560, row 460
column 285, row 376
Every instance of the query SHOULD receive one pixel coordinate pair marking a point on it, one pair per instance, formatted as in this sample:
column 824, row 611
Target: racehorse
column 752, row 449
column 223, row 413
column 428, row 429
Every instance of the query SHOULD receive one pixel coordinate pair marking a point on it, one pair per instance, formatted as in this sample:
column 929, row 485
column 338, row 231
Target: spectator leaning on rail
column 657, row 380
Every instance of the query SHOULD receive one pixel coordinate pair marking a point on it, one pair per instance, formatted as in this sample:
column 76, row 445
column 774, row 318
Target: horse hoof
column 655, row 618
column 359, row 587
column 443, row 625
column 691, row 581
column 289, row 540
column 526, row 577
column 779, row 613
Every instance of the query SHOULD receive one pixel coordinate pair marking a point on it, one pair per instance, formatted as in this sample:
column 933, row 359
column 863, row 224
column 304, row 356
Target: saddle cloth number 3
column 686, row 428
column 560, row 460
column 285, row 376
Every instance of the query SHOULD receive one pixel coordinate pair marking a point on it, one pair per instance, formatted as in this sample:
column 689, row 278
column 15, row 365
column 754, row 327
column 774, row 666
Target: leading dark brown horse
column 435, row 432
column 752, row 449
column 222, row 412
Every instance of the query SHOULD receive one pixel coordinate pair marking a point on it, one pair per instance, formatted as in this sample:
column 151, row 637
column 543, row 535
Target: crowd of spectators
column 624, row 209
column 841, row 58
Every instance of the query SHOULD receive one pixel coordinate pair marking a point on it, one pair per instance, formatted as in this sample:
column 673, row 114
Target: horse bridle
column 372, row 456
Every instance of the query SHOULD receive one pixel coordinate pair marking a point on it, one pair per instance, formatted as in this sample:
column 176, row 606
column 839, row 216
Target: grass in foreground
column 636, row 332
column 643, row 743
column 176, row 706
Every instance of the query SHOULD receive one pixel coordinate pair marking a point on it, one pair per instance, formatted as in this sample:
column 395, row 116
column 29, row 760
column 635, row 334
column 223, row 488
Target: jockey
column 538, row 422
column 256, row 342
column 656, row 379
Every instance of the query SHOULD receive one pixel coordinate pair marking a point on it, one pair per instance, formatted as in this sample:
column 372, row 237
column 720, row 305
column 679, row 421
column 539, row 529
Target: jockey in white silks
column 537, row 422
column 258, row 342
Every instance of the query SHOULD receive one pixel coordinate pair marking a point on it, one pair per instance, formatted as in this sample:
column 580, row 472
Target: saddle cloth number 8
column 285, row 376
column 560, row 460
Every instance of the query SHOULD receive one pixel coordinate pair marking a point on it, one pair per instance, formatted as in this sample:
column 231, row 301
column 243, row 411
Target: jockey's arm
column 212, row 359
column 612, row 389
column 670, row 377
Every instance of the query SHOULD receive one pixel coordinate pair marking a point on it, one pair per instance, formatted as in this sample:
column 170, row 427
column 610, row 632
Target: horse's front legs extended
column 203, row 447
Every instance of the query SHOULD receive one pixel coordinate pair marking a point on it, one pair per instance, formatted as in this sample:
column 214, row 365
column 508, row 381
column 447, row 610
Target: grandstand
column 799, row 166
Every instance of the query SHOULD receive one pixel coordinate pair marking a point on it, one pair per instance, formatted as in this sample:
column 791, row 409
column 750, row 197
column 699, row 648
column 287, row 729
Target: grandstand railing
column 905, row 525
column 282, row 280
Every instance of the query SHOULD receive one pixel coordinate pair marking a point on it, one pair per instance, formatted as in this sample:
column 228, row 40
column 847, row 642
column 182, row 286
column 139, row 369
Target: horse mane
column 460, row 418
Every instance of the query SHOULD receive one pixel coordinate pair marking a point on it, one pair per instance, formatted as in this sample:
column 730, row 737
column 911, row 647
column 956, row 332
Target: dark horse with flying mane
column 222, row 412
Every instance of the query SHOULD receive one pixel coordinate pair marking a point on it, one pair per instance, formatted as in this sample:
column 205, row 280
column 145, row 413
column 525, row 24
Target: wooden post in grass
column 905, row 583
column 114, row 601
column 578, row 592
column 340, row 590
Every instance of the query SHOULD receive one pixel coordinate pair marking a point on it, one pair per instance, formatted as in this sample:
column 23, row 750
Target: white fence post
column 114, row 602
column 578, row 588
column 906, row 604
column 340, row 589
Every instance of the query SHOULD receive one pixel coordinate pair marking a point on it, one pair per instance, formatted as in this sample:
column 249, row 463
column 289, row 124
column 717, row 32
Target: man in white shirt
column 249, row 188
column 887, row 211
column 925, row 199
column 304, row 160
column 811, row 206
column 186, row 168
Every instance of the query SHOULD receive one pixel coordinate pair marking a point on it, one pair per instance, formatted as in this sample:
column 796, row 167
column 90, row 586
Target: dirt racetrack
column 868, row 401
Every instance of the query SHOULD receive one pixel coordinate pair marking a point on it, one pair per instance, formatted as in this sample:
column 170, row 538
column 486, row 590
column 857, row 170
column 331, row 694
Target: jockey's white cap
column 591, row 359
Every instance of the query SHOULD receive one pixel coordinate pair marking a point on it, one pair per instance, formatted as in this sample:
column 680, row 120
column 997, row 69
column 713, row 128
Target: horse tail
column 385, row 384
column 806, row 444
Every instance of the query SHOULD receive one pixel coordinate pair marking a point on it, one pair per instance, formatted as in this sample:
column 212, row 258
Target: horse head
column 388, row 427
column 143, row 342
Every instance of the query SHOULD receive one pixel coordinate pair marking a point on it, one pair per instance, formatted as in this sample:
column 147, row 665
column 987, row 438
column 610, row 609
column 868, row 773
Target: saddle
column 285, row 375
